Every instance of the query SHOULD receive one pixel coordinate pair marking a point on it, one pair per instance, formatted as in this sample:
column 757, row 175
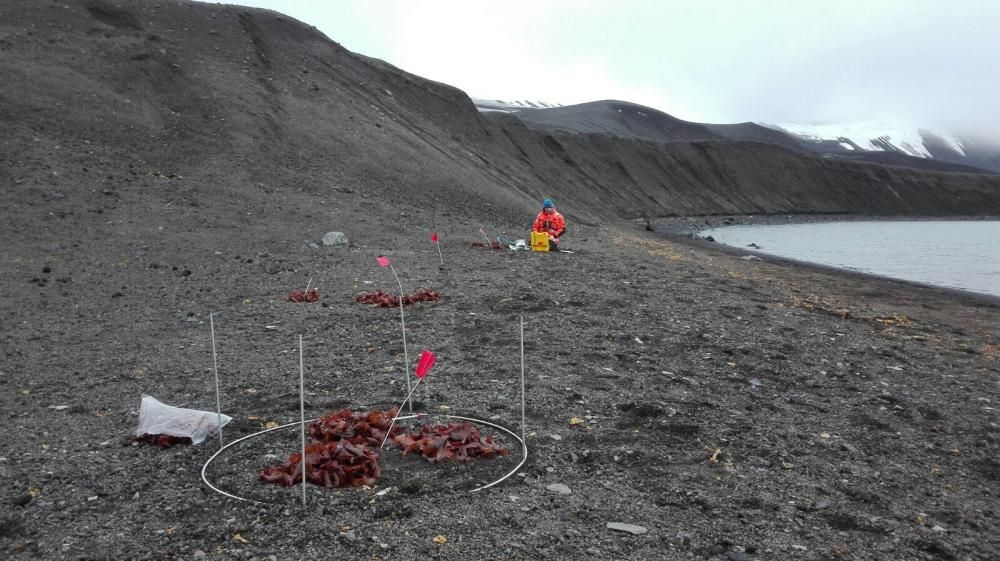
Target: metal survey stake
column 424, row 366
column 215, row 369
column 488, row 242
column 302, row 413
column 437, row 243
column 522, row 379
column 383, row 261
column 392, row 423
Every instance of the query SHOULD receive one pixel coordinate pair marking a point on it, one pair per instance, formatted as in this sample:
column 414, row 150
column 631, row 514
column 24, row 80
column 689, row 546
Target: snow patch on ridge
column 953, row 143
column 511, row 106
column 869, row 135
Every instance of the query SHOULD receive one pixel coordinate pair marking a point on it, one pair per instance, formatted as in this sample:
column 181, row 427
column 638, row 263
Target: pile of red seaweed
column 304, row 296
column 357, row 428
column 344, row 452
column 385, row 300
column 330, row 464
column 459, row 442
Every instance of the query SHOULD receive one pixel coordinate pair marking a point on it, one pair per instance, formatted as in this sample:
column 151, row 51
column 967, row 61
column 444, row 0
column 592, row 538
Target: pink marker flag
column 427, row 359
column 383, row 261
column 434, row 237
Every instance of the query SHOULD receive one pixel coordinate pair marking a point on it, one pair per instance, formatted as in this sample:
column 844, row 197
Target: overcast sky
column 925, row 62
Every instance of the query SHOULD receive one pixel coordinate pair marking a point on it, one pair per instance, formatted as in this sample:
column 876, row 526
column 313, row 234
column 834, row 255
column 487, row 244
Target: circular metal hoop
column 204, row 468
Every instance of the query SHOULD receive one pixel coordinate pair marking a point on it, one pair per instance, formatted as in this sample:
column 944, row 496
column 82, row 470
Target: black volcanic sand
column 730, row 407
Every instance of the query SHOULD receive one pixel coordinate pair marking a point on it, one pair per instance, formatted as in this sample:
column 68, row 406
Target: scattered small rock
column 736, row 556
column 335, row 239
column 559, row 488
column 850, row 448
column 348, row 536
column 628, row 528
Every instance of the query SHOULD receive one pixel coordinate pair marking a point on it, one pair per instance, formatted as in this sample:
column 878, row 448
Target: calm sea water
column 955, row 254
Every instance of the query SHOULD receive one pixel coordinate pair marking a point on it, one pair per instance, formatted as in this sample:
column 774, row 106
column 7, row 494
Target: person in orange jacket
column 550, row 222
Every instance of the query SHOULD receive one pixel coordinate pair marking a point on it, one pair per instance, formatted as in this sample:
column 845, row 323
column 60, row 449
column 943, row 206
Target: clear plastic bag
column 158, row 418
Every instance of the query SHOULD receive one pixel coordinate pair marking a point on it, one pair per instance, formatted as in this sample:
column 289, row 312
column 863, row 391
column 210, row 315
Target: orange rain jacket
column 553, row 224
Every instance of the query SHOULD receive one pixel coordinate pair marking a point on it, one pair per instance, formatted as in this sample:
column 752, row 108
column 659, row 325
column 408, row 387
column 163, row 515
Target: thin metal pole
column 438, row 244
column 522, row 379
column 396, row 416
column 307, row 285
column 302, row 412
column 215, row 369
column 402, row 321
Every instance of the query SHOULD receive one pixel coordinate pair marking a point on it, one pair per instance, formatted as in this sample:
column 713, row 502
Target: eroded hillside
column 226, row 109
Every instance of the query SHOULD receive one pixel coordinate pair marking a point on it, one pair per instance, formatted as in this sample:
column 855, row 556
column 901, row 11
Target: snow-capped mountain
column 889, row 138
column 866, row 136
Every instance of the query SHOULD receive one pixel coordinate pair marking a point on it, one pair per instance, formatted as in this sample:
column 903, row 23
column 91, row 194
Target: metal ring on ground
column 204, row 468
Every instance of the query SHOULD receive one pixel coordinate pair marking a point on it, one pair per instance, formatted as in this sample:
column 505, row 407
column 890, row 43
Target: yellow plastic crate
column 539, row 241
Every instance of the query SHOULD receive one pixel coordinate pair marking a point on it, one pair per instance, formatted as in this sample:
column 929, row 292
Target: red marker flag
column 383, row 261
column 434, row 237
column 427, row 359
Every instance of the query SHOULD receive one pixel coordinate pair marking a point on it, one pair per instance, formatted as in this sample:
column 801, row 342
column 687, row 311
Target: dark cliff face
column 634, row 121
column 634, row 178
column 230, row 108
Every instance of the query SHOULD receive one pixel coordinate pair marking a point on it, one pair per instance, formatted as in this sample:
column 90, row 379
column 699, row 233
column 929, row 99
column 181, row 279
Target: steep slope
column 220, row 111
column 220, row 117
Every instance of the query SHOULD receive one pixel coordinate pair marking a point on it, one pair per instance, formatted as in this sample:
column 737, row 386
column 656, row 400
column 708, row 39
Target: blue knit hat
column 547, row 203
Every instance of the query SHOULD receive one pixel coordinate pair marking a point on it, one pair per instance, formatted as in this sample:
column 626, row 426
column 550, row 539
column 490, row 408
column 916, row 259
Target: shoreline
column 685, row 230
column 690, row 226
